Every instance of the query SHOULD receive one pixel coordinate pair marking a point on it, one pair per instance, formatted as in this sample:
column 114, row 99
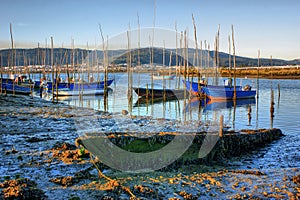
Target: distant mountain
column 245, row 61
column 42, row 56
column 144, row 56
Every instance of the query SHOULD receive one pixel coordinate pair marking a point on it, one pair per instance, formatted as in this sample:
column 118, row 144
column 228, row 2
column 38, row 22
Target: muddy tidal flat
column 39, row 160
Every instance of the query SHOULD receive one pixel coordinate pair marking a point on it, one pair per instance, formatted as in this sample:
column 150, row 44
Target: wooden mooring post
column 249, row 114
column 278, row 90
column 221, row 126
column 272, row 108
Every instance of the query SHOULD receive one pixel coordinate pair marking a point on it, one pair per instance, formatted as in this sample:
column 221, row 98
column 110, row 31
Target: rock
column 64, row 181
column 252, row 172
column 296, row 179
column 186, row 195
column 21, row 189
column 63, row 146
column 124, row 112
column 13, row 151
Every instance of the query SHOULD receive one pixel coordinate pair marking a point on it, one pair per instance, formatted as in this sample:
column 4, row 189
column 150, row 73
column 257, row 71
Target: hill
column 62, row 56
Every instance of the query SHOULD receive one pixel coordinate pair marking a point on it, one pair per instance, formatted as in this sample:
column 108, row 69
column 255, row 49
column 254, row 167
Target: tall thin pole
column 234, row 64
column 272, row 108
column 234, row 89
column 73, row 62
column 25, row 63
column 52, row 67
column 139, row 40
column 105, row 63
column 257, row 78
column 44, row 54
column 139, row 47
column 129, row 73
column 185, row 67
column 1, row 66
column 229, row 53
column 12, row 55
column 271, row 72
column 176, row 59
column 68, row 72
column 152, row 55
column 196, row 53
column 38, row 60
column 88, row 63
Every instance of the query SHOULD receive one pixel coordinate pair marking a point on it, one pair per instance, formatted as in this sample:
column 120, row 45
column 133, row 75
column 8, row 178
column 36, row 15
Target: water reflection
column 96, row 102
column 144, row 101
column 208, row 110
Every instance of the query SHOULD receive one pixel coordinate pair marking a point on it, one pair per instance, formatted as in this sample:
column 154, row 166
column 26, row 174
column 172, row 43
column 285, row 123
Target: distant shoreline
column 276, row 72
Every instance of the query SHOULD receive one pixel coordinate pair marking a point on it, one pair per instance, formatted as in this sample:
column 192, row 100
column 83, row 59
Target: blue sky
column 271, row 26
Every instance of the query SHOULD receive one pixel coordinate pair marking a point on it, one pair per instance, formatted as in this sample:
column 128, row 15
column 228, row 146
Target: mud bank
column 39, row 156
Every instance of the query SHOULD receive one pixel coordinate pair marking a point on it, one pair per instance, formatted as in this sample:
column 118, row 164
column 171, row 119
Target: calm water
column 249, row 114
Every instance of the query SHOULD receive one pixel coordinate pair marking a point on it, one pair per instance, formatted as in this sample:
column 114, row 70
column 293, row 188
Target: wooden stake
column 221, row 126
column 12, row 55
column 249, row 114
column 197, row 59
column 129, row 73
column 229, row 54
column 1, row 65
column 105, row 64
column 278, row 91
column 257, row 78
column 52, row 67
column 272, row 108
column 176, row 59
column 234, row 66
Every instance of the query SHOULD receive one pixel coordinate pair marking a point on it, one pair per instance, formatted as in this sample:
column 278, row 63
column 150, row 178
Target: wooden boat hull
column 228, row 94
column 163, row 77
column 17, row 89
column 218, row 92
column 144, row 101
column 77, row 86
column 69, row 92
column 158, row 93
column 196, row 89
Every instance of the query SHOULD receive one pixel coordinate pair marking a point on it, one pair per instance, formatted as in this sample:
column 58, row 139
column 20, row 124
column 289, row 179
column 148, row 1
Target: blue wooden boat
column 17, row 89
column 163, row 77
column 17, row 84
column 193, row 87
column 19, row 80
column 77, row 85
column 219, row 92
column 158, row 91
column 80, row 92
column 196, row 88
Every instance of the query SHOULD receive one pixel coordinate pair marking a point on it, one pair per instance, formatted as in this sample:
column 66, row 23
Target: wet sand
column 38, row 142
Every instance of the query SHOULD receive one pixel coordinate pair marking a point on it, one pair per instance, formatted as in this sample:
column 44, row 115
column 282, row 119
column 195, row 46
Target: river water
column 249, row 114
